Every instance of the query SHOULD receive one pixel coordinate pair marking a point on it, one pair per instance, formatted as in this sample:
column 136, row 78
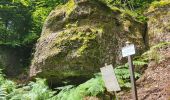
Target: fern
column 40, row 91
column 3, row 94
column 6, row 87
column 123, row 75
column 95, row 86
column 34, row 91
column 92, row 87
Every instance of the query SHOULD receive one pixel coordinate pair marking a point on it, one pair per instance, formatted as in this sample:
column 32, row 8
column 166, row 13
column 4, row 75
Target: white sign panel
column 128, row 50
column 110, row 79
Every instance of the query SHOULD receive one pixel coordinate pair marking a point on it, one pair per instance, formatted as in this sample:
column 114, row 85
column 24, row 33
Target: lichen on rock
column 80, row 37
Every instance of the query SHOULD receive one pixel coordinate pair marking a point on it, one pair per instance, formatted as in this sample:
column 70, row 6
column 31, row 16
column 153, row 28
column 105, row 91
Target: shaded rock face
column 159, row 25
column 80, row 37
column 13, row 60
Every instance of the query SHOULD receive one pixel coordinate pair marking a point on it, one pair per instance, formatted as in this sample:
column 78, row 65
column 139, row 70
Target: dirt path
column 155, row 83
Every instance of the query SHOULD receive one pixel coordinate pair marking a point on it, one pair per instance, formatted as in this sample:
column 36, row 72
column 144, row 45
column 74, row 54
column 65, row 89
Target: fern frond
column 3, row 93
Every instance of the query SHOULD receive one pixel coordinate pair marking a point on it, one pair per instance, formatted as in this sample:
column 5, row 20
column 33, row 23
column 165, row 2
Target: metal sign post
column 132, row 78
column 128, row 51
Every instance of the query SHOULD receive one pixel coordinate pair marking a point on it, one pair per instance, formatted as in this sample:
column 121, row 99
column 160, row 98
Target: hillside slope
column 155, row 82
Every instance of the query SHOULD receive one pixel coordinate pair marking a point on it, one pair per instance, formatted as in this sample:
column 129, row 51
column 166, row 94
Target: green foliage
column 92, row 87
column 157, row 4
column 128, row 4
column 6, row 87
column 123, row 74
column 14, row 22
column 3, row 94
column 40, row 11
column 134, row 8
column 33, row 91
column 40, row 91
column 95, row 86
column 21, row 20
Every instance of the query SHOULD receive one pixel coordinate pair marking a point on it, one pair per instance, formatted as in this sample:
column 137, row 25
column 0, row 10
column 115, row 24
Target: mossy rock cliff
column 80, row 37
column 159, row 22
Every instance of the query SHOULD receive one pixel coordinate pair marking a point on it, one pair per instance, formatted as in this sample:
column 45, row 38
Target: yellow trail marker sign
column 109, row 78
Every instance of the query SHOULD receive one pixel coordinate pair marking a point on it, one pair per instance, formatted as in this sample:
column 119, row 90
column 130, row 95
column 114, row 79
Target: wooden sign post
column 127, row 52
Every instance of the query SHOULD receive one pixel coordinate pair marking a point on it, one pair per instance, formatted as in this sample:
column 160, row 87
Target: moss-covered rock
column 80, row 37
column 159, row 22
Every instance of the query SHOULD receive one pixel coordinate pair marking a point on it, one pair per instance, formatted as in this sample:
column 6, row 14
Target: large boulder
column 80, row 37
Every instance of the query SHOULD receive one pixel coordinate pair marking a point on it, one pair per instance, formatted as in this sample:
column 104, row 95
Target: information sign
column 109, row 78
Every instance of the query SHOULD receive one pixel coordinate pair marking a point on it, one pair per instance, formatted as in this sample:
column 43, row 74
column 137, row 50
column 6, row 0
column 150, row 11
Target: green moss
column 71, row 25
column 86, row 40
column 79, row 42
column 160, row 3
column 157, row 4
column 69, row 6
column 79, row 37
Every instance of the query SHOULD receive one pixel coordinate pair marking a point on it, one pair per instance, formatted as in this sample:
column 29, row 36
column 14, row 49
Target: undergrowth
column 38, row 90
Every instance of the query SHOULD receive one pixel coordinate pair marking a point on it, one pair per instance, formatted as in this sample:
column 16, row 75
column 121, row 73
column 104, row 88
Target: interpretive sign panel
column 109, row 78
